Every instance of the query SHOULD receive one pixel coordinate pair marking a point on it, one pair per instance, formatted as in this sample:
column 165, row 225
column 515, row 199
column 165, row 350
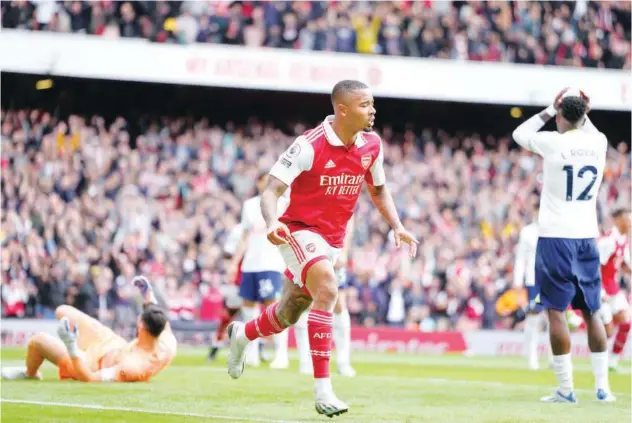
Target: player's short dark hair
column 619, row 211
column 154, row 319
column 573, row 108
column 347, row 86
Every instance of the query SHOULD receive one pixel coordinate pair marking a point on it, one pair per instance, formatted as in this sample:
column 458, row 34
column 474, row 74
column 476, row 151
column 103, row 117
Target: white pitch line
column 142, row 410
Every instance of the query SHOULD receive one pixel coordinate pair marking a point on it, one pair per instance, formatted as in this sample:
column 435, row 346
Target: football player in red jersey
column 325, row 168
column 614, row 254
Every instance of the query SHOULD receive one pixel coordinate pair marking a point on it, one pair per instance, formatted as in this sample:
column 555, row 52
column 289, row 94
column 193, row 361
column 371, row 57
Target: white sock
column 600, row 370
column 280, row 345
column 302, row 341
column 531, row 326
column 342, row 337
column 322, row 387
column 252, row 354
column 563, row 369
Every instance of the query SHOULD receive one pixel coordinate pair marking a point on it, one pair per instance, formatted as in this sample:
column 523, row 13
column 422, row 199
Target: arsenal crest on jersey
column 366, row 161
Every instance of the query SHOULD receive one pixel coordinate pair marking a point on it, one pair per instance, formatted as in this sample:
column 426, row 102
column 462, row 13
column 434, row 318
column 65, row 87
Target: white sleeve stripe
column 281, row 176
column 314, row 134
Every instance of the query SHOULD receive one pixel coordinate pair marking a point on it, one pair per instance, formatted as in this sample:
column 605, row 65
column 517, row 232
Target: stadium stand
column 581, row 34
column 85, row 206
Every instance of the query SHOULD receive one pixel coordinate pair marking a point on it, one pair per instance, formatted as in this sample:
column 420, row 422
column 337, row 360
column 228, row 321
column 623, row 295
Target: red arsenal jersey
column 613, row 247
column 325, row 179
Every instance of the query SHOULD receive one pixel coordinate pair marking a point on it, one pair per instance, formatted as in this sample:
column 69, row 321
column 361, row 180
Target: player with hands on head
column 567, row 258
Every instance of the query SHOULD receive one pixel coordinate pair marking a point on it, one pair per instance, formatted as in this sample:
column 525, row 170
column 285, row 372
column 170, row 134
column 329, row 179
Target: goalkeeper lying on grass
column 90, row 352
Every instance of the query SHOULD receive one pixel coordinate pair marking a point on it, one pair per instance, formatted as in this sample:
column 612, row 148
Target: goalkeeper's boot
column 18, row 373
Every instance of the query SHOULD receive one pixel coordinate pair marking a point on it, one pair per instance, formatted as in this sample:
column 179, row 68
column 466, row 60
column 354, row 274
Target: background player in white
column 567, row 260
column 325, row 167
column 342, row 320
column 261, row 273
column 614, row 254
column 524, row 275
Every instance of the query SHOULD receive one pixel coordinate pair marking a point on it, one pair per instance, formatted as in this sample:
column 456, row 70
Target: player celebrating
column 567, row 260
column 325, row 168
column 341, row 319
column 614, row 249
column 90, row 352
column 524, row 274
column 261, row 273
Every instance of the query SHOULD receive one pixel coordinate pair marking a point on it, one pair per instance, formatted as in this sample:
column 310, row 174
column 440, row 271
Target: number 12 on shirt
column 592, row 174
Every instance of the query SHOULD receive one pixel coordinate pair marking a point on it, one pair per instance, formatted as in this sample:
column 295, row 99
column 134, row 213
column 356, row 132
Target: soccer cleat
column 237, row 355
column 18, row 373
column 559, row 397
column 605, row 396
column 331, row 406
column 346, row 370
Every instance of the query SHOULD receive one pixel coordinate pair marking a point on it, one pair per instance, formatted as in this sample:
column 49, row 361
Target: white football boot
column 238, row 343
column 18, row 373
column 559, row 397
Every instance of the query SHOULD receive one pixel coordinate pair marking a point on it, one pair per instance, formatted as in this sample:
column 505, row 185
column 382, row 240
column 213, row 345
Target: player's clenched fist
column 277, row 233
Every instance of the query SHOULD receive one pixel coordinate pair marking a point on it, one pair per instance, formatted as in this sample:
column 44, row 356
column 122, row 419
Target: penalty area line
column 143, row 410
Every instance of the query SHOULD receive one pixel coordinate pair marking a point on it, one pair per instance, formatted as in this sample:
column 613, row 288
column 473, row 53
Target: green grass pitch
column 388, row 388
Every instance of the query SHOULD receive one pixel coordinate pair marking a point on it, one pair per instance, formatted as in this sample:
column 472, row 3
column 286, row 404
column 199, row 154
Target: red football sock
column 265, row 325
column 621, row 337
column 319, row 328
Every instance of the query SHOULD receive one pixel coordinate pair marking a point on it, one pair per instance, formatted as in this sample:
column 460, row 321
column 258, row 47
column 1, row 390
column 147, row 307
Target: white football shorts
column 302, row 250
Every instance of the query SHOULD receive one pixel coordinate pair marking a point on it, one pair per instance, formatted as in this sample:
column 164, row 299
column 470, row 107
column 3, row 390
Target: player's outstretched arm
column 147, row 291
column 383, row 201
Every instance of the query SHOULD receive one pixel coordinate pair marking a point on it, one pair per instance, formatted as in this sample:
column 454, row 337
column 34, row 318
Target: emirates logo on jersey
column 343, row 184
column 366, row 161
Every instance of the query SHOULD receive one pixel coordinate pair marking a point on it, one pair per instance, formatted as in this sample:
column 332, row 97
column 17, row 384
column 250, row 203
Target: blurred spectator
column 582, row 33
column 85, row 208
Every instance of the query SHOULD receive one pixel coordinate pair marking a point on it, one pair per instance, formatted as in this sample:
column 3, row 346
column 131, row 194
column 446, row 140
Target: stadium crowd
column 582, row 33
column 85, row 207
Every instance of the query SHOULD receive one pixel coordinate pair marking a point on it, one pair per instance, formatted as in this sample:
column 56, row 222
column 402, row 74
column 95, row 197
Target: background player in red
column 614, row 251
column 232, row 300
column 326, row 168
